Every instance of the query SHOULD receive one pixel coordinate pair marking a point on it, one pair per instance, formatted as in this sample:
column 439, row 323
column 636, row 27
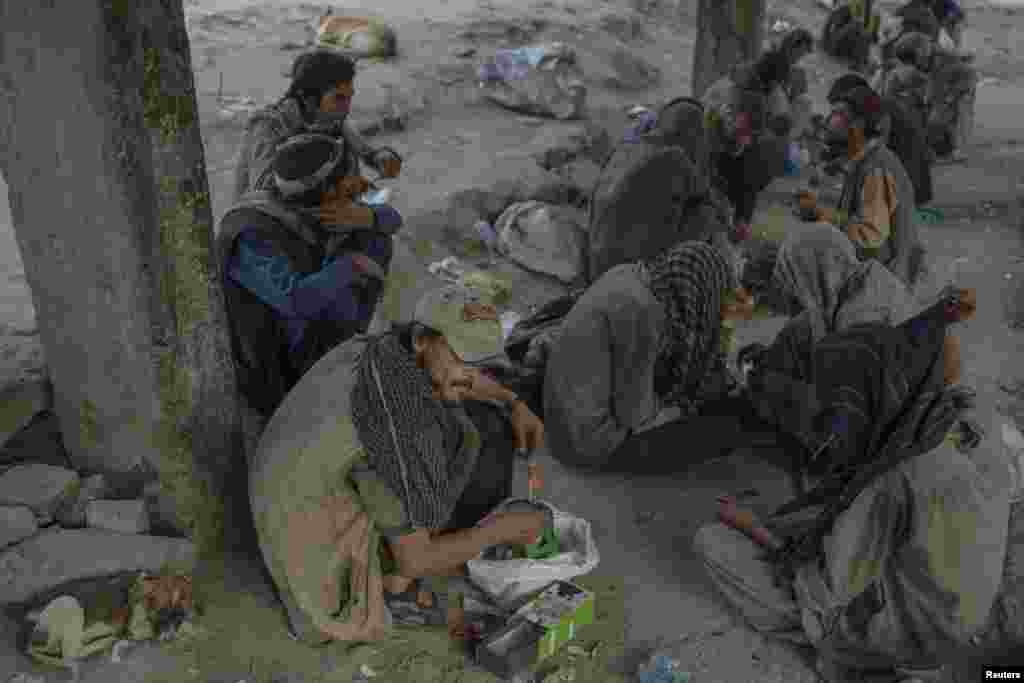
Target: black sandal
column 406, row 610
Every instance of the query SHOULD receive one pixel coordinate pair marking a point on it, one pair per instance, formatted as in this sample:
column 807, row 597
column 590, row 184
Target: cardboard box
column 537, row 630
column 560, row 610
column 512, row 650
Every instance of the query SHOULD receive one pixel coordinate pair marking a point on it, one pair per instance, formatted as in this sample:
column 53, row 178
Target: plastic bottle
column 793, row 159
column 663, row 669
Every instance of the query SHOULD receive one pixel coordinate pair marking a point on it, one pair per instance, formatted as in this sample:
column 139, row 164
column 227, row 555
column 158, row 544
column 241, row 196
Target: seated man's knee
column 381, row 249
column 709, row 542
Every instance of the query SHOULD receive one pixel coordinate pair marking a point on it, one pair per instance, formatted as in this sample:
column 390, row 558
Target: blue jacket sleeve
column 265, row 272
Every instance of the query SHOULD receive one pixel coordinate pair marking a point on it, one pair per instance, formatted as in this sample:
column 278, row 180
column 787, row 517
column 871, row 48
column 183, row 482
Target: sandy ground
column 644, row 526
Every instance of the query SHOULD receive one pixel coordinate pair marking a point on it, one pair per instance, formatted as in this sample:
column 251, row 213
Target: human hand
column 518, row 527
column 807, row 205
column 741, row 307
column 345, row 213
column 527, row 428
column 365, row 266
column 388, row 163
column 352, row 186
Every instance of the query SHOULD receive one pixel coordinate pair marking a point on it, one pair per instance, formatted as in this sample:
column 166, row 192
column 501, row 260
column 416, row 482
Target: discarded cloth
column 543, row 238
column 357, row 37
column 541, row 80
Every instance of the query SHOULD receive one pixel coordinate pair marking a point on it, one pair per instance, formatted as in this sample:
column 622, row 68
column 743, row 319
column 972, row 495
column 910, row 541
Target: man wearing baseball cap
column 380, row 465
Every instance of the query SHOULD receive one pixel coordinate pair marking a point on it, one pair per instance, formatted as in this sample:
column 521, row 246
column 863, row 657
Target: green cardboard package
column 537, row 630
column 560, row 610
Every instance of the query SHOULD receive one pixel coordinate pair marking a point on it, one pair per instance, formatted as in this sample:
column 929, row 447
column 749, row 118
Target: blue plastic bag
column 663, row 669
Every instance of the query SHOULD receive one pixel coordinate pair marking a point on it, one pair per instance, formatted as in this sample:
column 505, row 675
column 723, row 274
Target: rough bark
column 728, row 32
column 104, row 161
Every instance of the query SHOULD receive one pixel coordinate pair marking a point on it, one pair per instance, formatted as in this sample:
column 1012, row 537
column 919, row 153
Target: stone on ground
column 17, row 523
column 38, row 442
column 56, row 557
column 122, row 516
column 71, row 515
column 44, row 488
column 21, row 401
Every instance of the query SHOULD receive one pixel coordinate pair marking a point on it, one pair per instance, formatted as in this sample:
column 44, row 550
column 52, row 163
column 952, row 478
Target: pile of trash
column 65, row 632
column 357, row 37
column 540, row 80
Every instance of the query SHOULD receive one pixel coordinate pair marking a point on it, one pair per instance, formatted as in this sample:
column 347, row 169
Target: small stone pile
column 57, row 526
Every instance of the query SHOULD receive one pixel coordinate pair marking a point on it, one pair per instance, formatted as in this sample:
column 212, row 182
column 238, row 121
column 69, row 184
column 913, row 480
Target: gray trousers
column 747, row 583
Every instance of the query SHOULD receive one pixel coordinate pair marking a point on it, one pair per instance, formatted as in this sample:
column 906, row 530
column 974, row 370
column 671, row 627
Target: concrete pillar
column 101, row 150
column 728, row 32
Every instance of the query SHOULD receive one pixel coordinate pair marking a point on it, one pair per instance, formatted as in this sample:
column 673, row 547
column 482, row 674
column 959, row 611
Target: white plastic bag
column 508, row 581
column 1013, row 443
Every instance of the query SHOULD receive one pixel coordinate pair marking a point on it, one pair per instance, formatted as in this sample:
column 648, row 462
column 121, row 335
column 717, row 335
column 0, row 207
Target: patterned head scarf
column 412, row 438
column 814, row 266
column 690, row 280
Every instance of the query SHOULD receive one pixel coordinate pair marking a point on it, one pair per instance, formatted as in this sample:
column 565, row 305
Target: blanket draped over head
column 427, row 468
column 819, row 267
column 885, row 399
column 690, row 280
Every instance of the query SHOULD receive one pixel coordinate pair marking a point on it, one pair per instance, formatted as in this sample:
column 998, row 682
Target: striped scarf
column 690, row 280
column 429, row 470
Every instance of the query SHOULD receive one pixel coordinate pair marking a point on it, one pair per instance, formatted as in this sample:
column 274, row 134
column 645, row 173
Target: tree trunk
column 728, row 32
column 102, row 153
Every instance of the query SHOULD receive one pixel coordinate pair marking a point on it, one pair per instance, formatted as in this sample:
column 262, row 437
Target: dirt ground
column 643, row 526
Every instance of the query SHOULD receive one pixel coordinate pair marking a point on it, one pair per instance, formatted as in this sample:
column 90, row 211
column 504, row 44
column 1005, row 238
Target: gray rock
column 71, row 515
column 631, row 72
column 624, row 25
column 56, row 557
column 503, row 31
column 44, row 488
column 582, row 174
column 21, row 401
column 39, row 442
column 17, row 523
column 557, row 146
column 123, row 516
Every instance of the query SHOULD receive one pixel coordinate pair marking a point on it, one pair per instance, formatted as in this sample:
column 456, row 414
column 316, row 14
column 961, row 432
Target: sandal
column 406, row 609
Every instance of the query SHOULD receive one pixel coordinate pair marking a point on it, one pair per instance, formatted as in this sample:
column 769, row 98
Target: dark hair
column 317, row 71
column 845, row 84
column 797, row 38
column 773, row 68
column 302, row 160
column 866, row 104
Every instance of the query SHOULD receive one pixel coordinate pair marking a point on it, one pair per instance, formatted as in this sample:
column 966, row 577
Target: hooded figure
column 819, row 273
column 750, row 118
column 905, row 77
column 877, row 206
column 654, row 191
column 818, row 269
column 318, row 100
column 642, row 338
column 895, row 558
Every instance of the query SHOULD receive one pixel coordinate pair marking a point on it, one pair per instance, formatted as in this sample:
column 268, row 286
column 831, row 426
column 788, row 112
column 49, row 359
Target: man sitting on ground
column 895, row 558
column 318, row 100
column 376, row 472
column 303, row 264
